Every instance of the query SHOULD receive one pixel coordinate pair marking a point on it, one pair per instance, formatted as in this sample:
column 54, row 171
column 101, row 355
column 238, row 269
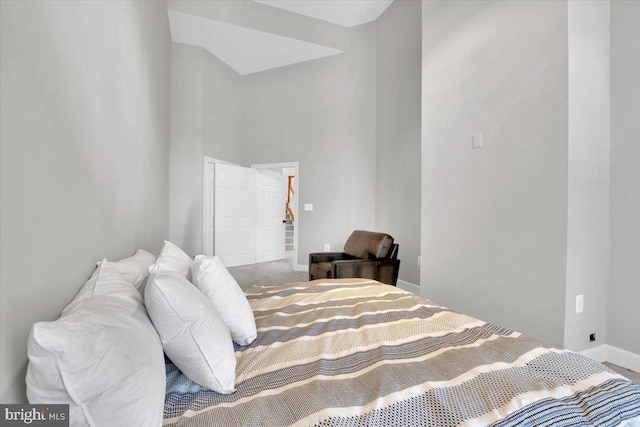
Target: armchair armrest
column 327, row 256
column 354, row 268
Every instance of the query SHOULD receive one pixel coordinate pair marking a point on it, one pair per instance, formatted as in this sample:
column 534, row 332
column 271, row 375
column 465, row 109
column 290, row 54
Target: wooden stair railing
column 289, row 193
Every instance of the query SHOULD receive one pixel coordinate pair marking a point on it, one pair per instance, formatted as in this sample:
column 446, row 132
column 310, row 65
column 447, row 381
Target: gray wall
column 187, row 98
column 222, row 110
column 398, row 107
column 206, row 120
column 494, row 220
column 588, row 187
column 84, row 149
column 624, row 280
column 321, row 113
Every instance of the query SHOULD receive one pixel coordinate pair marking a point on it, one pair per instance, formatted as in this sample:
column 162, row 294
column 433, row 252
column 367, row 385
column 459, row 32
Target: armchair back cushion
column 368, row 244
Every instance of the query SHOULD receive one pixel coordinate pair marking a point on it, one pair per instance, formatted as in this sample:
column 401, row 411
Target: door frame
column 208, row 188
column 296, row 222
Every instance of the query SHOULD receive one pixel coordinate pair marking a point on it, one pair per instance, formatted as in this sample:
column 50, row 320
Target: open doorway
column 290, row 171
column 221, row 235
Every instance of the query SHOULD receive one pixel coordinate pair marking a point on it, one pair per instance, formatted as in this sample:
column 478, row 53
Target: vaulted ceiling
column 347, row 13
column 249, row 50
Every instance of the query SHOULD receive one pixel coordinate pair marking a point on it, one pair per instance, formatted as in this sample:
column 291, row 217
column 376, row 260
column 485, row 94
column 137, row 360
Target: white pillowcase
column 212, row 278
column 172, row 258
column 135, row 269
column 102, row 357
column 193, row 335
column 105, row 281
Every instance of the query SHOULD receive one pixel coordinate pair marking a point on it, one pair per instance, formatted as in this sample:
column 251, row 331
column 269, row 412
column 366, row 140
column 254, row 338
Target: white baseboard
column 300, row 267
column 598, row 353
column 408, row 286
column 624, row 358
column 615, row 355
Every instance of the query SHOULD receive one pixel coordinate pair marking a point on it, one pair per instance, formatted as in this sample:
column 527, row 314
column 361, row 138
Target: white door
column 235, row 215
column 269, row 216
column 209, row 219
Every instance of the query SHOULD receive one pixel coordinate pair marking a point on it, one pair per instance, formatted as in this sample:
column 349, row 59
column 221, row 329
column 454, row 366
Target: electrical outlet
column 327, row 247
column 579, row 303
column 592, row 337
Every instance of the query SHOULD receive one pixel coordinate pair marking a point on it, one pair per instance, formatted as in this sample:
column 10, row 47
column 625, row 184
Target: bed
column 354, row 352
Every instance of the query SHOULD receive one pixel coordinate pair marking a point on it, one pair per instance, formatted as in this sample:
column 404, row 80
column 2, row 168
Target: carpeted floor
column 633, row 376
column 281, row 272
column 268, row 273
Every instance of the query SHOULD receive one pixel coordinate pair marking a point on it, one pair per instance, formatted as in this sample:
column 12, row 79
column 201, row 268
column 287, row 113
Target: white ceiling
column 248, row 50
column 347, row 13
column 244, row 49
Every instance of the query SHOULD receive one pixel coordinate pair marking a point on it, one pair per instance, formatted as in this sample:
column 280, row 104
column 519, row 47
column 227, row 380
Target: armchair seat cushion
column 321, row 270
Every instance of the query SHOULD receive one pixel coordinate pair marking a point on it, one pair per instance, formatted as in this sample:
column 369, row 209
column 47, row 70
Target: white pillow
column 193, row 335
column 135, row 269
column 105, row 281
column 172, row 258
column 213, row 279
column 103, row 357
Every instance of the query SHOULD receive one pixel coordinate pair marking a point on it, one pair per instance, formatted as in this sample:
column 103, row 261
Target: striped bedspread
column 354, row 352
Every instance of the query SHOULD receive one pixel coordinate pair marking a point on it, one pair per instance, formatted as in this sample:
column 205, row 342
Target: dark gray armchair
column 366, row 254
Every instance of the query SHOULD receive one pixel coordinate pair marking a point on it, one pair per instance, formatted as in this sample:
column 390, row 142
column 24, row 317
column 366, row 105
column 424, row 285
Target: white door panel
column 224, row 242
column 247, row 212
column 269, row 215
column 209, row 222
column 247, row 203
column 235, row 236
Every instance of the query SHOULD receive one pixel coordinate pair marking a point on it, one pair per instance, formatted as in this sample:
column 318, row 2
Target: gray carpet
column 633, row 376
column 268, row 273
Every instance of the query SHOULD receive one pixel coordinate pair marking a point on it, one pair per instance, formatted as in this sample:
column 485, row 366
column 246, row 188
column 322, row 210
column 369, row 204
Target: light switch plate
column 476, row 141
column 308, row 206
